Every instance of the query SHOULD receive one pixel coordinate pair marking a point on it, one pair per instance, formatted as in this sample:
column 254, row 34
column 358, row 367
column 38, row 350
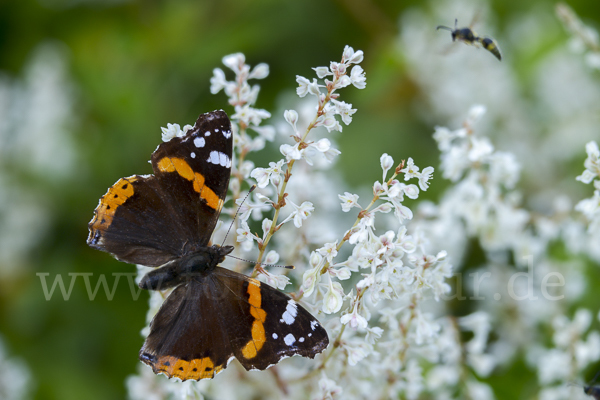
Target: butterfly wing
column 186, row 339
column 273, row 326
column 206, row 322
column 153, row 219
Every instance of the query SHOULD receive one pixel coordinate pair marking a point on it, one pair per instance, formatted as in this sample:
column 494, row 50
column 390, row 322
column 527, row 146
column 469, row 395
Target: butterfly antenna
column 237, row 212
column 264, row 265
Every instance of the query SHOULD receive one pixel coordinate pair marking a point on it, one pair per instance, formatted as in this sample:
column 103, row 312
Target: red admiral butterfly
column 166, row 220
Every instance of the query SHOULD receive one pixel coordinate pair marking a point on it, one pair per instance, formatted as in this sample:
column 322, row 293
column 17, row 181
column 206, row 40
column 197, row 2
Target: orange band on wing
column 179, row 165
column 117, row 194
column 258, row 330
column 199, row 368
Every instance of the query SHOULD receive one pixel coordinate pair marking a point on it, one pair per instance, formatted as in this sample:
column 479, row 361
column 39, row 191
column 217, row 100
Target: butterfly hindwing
column 185, row 340
column 277, row 326
column 153, row 219
column 195, row 327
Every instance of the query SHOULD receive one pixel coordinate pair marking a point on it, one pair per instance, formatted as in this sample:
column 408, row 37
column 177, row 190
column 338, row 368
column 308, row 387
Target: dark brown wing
column 209, row 320
column 152, row 219
column 275, row 328
column 186, row 337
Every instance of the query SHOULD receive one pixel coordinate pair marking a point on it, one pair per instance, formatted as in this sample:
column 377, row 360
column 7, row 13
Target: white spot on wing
column 291, row 310
column 301, row 340
column 193, row 155
column 227, row 134
column 199, row 142
column 289, row 339
column 207, row 133
column 214, row 157
column 313, row 325
column 216, row 130
column 275, row 336
column 310, row 334
column 224, row 160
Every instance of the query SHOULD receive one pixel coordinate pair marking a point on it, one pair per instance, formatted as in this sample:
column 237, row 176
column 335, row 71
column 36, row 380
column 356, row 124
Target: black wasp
column 468, row 36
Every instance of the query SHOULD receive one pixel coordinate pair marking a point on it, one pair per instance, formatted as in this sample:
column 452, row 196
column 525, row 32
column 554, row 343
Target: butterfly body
column 166, row 220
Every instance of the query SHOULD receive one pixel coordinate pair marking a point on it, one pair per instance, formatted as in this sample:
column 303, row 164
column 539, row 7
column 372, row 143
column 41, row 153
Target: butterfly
column 213, row 314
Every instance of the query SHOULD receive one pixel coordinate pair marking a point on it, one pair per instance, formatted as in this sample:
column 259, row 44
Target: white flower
column 479, row 390
column 373, row 334
column 476, row 112
column 355, row 353
column 352, row 57
column 424, row 178
column 329, row 122
column 354, row 319
column 586, row 177
column 333, row 299
column 329, row 251
column 291, row 152
column 291, row 116
column 244, row 236
column 249, row 115
column 479, row 323
column 344, row 109
column 414, row 379
column 264, row 175
column 361, row 231
column 278, row 281
column 171, row 131
column 551, row 366
column 261, row 175
column 358, row 78
column 386, row 162
column 322, row 72
column 411, row 170
column 402, row 212
column 592, row 163
column 266, row 228
column 328, row 389
column 261, row 71
column 425, row 328
column 411, row 191
column 218, row 81
column 312, row 276
column 480, row 149
column 234, row 61
column 349, row 200
column 306, row 87
column 300, row 212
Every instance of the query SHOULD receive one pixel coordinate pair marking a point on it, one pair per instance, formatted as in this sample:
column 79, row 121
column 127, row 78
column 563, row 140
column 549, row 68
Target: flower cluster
column 480, row 202
column 585, row 39
column 380, row 284
column 591, row 207
column 565, row 362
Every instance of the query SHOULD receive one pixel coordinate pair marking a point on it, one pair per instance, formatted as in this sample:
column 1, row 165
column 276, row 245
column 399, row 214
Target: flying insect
column 468, row 36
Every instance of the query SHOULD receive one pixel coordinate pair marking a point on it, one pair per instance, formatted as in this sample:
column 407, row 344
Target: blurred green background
column 87, row 84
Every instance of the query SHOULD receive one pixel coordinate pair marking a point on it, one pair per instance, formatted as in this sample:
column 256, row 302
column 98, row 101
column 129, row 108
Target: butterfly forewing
column 153, row 219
